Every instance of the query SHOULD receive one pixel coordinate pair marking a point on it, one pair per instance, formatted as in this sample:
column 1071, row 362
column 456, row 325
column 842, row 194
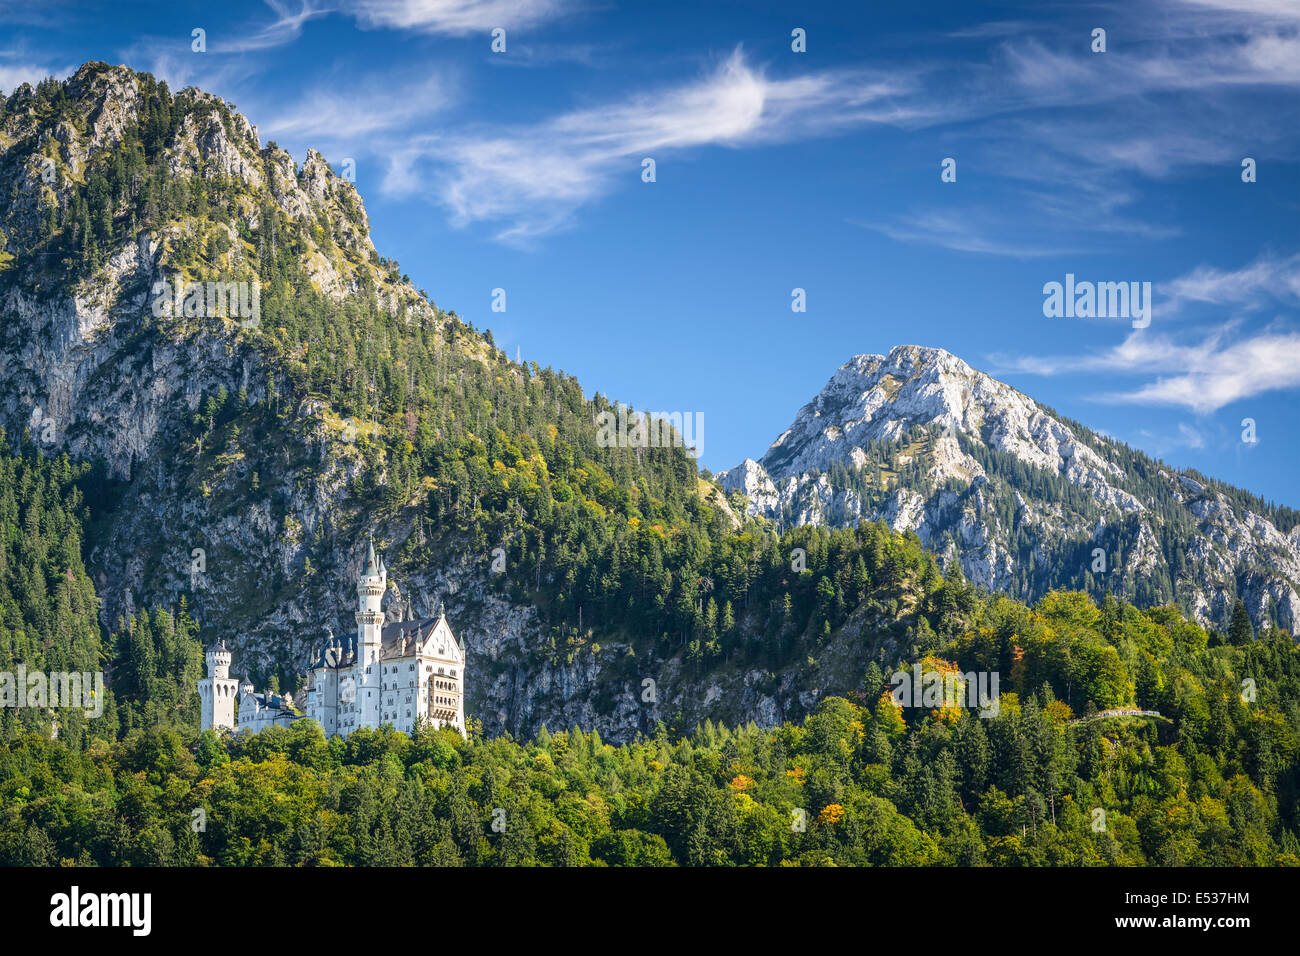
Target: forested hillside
column 1209, row 775
column 1212, row 780
column 48, row 608
column 49, row 621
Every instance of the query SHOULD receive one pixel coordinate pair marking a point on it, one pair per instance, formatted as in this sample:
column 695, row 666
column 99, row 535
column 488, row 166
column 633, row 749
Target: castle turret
column 217, row 691
column 323, row 686
column 370, row 616
column 370, row 624
column 218, row 658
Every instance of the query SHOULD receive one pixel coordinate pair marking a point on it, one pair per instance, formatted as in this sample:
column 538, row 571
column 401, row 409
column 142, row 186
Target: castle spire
column 370, row 558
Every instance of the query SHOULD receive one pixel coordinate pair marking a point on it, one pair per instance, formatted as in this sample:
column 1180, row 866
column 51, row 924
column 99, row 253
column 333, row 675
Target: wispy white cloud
column 963, row 232
column 1171, row 97
column 456, row 17
column 995, row 28
column 1264, row 363
column 285, row 29
column 1258, row 55
column 1158, row 107
column 1191, row 437
column 1161, row 443
column 526, row 55
column 532, row 178
column 1202, row 377
column 1224, row 365
column 15, row 74
column 347, row 110
column 1165, row 100
column 1267, row 279
column 1280, row 9
column 1141, row 352
column 225, row 63
column 20, row 64
column 172, row 61
column 1032, row 218
column 449, row 17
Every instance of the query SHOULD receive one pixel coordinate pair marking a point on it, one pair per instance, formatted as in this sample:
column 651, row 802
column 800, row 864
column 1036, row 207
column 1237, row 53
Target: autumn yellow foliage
column 831, row 814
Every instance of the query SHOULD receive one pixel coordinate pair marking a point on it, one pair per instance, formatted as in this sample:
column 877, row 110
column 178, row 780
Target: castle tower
column 247, row 703
column 370, row 624
column 217, row 691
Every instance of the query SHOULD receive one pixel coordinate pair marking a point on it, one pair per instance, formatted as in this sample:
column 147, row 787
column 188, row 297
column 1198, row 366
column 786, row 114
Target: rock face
column 1020, row 498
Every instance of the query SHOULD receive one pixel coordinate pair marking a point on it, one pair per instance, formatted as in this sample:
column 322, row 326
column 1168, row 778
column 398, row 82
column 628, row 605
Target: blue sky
column 820, row 170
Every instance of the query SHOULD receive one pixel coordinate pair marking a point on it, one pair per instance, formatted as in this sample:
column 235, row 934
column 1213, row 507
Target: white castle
column 397, row 674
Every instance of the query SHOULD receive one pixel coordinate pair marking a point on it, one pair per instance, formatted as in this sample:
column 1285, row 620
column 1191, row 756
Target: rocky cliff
column 1020, row 498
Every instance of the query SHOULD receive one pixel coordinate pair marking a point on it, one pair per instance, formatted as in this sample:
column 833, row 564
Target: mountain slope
column 237, row 465
column 1019, row 496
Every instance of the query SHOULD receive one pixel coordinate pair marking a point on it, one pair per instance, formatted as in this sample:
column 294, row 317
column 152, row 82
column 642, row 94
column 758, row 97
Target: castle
column 395, row 673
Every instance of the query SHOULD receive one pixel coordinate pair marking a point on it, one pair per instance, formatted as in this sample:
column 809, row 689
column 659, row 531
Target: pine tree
column 1240, row 632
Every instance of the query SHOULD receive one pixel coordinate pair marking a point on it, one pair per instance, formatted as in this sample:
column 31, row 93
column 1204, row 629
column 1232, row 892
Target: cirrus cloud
column 530, row 179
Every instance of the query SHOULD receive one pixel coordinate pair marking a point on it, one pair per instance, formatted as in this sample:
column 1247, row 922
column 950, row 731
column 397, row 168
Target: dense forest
column 48, row 608
column 1207, row 773
column 1211, row 781
column 49, row 615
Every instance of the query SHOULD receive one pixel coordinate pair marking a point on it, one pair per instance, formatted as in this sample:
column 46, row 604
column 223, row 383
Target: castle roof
column 343, row 651
column 371, row 569
column 275, row 702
